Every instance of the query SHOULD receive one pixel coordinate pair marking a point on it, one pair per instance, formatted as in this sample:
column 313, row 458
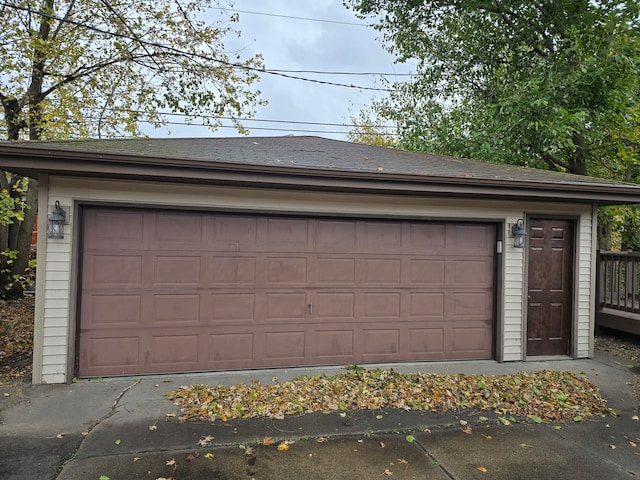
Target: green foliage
column 12, row 206
column 549, row 85
column 98, row 69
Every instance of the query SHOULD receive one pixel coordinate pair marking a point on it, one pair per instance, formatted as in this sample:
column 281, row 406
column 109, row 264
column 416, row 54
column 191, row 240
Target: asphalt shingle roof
column 304, row 152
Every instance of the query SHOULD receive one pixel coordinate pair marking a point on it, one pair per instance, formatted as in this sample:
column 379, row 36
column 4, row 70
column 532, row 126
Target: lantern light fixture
column 518, row 231
column 55, row 222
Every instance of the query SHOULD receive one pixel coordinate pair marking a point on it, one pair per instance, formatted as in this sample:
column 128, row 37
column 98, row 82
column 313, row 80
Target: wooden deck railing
column 618, row 291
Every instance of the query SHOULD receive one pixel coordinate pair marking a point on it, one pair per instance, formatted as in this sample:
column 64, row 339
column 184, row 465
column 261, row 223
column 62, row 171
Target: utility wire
column 271, row 129
column 191, row 54
column 338, row 22
column 247, row 119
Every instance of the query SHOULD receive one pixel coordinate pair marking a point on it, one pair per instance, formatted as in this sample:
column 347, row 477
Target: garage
column 184, row 291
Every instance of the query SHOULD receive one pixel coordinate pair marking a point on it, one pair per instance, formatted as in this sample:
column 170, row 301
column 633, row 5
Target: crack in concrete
column 94, row 425
column 434, row 460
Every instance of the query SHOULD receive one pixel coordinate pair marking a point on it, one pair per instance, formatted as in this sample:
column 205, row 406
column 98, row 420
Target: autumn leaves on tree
column 104, row 68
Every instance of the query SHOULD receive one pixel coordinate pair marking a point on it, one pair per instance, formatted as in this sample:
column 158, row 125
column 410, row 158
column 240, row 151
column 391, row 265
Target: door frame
column 575, row 219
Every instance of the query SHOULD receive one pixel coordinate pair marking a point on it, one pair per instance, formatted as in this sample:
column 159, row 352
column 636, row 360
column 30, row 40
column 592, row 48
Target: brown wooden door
column 550, row 286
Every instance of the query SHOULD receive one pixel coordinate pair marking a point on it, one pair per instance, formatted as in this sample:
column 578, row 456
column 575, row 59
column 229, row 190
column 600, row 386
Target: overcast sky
column 296, row 44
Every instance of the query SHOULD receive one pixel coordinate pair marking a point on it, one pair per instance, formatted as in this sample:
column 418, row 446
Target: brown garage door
column 166, row 291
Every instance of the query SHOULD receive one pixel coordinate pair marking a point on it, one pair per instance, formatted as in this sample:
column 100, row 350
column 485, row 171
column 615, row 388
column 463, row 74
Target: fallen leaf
column 524, row 445
column 171, row 462
column 635, row 417
column 248, row 450
column 488, row 437
column 283, row 447
column 170, row 415
column 482, row 469
column 379, row 417
column 403, row 461
column 322, row 439
column 60, row 435
column 387, row 472
column 118, row 442
column 135, row 459
column 205, row 441
column 208, row 455
column 104, row 477
column 467, row 430
column 268, row 441
column 410, row 438
column 192, row 456
column 612, row 447
column 483, row 419
column 84, row 434
column 382, row 445
column 153, row 427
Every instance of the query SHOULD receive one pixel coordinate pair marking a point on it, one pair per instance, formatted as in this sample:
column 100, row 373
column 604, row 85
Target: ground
column 16, row 346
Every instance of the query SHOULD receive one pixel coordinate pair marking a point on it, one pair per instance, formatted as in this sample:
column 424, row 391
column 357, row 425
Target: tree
column 99, row 68
column 550, row 84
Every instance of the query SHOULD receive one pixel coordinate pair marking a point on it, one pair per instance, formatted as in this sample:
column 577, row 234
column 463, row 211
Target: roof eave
column 36, row 161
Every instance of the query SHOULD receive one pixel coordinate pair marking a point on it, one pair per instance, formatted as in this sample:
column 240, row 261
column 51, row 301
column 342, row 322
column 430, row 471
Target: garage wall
column 56, row 312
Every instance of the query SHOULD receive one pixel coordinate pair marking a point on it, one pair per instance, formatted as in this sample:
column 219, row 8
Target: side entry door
column 550, row 286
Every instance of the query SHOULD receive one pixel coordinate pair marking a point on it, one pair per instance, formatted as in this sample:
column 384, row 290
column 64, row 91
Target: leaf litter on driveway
column 542, row 396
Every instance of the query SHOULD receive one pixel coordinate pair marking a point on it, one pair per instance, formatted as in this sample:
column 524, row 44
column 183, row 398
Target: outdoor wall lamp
column 55, row 222
column 518, row 231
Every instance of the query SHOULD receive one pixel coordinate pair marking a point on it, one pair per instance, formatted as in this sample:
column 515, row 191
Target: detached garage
column 186, row 255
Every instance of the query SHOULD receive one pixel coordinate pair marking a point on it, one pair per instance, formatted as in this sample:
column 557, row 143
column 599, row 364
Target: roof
column 304, row 162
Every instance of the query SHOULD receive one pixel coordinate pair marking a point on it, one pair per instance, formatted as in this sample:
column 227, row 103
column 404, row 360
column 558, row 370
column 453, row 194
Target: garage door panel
column 334, row 306
column 104, row 311
column 174, row 349
column 334, row 346
column 232, row 270
column 232, row 307
column 280, row 306
column 275, row 271
column 426, row 341
column 335, row 236
column 332, row 271
column 381, row 237
column 284, row 346
column 235, row 233
column 178, row 309
column 471, row 272
column 248, row 291
column 287, row 235
column 179, row 231
column 425, row 272
column 427, row 305
column 382, row 271
column 106, row 227
column 382, row 304
column 104, row 270
column 177, row 270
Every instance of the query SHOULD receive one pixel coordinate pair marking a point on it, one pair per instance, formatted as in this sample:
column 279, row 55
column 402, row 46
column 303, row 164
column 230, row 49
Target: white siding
column 58, row 309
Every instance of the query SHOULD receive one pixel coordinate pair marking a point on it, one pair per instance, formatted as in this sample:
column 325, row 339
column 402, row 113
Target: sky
column 298, row 44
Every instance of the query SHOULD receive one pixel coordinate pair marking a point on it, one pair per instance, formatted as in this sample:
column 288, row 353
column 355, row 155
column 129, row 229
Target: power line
column 247, row 119
column 192, row 54
column 338, row 22
column 273, row 129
